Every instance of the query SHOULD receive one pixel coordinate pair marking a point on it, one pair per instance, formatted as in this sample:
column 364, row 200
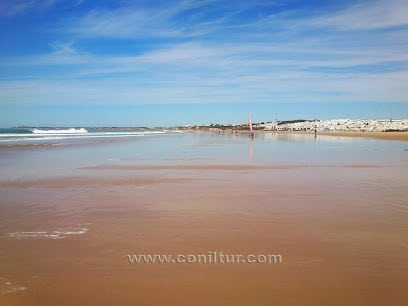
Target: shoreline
column 390, row 136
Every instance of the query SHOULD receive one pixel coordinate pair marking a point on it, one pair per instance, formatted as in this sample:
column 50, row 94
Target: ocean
column 61, row 136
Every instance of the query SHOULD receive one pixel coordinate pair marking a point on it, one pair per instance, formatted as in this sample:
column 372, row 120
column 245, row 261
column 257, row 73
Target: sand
column 379, row 135
column 401, row 136
column 340, row 227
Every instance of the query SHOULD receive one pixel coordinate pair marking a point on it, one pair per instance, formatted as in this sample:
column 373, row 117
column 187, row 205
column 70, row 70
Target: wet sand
column 340, row 227
column 400, row 136
column 379, row 135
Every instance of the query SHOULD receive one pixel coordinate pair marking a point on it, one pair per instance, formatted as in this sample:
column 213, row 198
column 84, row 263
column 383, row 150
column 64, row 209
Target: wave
column 67, row 136
column 58, row 136
column 60, row 131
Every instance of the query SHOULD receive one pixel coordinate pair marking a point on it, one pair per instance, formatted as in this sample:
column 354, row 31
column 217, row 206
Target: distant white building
column 340, row 125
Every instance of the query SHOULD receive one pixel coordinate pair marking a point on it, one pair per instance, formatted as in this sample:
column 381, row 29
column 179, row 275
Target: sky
column 124, row 62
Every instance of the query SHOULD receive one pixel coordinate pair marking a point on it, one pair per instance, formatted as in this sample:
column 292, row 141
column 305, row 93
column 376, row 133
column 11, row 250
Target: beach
column 334, row 208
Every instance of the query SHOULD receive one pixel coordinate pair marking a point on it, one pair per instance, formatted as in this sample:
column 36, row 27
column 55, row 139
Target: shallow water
column 335, row 208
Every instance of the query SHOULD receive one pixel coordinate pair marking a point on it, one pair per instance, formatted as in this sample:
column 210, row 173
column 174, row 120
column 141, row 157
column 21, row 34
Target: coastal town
column 342, row 125
column 335, row 125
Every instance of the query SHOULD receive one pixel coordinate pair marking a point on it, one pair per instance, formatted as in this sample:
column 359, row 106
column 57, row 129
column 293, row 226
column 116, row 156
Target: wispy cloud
column 369, row 15
column 13, row 8
column 192, row 19
column 206, row 51
column 134, row 22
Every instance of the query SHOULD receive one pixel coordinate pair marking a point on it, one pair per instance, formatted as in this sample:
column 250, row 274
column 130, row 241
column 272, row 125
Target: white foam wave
column 59, row 131
column 16, row 135
column 33, row 138
column 87, row 135
column 48, row 235
column 36, row 137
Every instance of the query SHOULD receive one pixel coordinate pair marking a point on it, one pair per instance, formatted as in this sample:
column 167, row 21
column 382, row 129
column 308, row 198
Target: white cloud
column 369, row 15
column 12, row 8
column 225, row 86
column 250, row 65
column 135, row 22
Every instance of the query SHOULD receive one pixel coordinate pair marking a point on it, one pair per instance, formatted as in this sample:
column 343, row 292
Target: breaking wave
column 60, row 131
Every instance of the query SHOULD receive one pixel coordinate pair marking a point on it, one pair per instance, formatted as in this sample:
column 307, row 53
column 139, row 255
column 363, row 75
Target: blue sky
column 83, row 62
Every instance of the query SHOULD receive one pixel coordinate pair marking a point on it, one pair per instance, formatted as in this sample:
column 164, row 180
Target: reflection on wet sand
column 223, row 167
column 70, row 182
